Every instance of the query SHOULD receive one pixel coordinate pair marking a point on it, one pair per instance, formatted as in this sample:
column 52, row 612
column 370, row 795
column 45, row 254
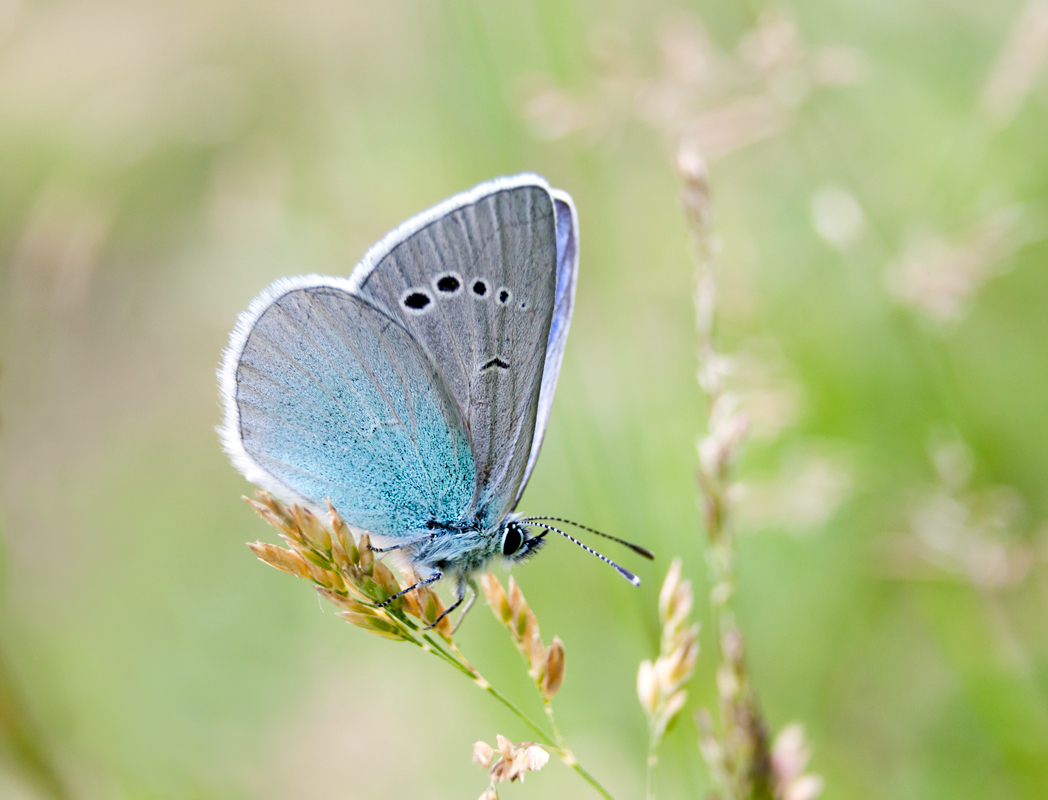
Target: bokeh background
column 879, row 173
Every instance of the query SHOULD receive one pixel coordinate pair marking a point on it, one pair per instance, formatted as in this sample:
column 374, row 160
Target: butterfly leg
column 469, row 603
column 401, row 545
column 436, row 576
column 460, row 595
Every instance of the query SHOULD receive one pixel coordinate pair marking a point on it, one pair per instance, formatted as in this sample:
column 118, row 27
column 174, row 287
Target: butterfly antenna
column 625, row 573
column 636, row 548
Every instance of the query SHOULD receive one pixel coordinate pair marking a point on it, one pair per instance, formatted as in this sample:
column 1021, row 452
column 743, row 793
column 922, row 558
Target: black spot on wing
column 416, row 301
column 449, row 283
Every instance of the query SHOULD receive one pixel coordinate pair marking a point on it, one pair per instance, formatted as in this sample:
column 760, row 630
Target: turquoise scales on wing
column 337, row 401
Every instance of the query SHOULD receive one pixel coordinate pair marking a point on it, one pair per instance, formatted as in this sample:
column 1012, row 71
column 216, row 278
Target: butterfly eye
column 512, row 541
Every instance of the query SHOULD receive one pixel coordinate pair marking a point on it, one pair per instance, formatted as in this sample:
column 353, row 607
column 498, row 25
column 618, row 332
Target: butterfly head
column 465, row 549
column 517, row 544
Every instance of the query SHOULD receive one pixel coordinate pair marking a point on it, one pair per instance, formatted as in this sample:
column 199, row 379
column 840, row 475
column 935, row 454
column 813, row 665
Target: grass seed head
column 513, row 760
column 285, row 560
column 384, row 579
column 430, row 607
column 545, row 664
column 789, row 758
column 342, row 567
column 496, row 597
column 483, row 754
column 553, row 671
column 313, row 532
column 670, row 591
column 647, row 688
column 660, row 683
column 366, row 558
column 372, row 622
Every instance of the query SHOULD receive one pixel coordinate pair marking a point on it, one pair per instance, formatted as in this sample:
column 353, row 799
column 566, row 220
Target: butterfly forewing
column 335, row 400
column 476, row 287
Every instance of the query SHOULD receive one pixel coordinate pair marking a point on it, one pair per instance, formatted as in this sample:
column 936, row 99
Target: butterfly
column 414, row 395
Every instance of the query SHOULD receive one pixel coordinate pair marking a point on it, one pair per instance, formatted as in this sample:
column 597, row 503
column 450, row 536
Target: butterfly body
column 415, row 393
column 464, row 549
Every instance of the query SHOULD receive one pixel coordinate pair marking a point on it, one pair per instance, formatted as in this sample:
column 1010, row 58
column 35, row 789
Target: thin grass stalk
column 739, row 754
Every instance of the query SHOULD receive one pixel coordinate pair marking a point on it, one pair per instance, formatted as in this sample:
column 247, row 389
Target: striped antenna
column 636, row 548
column 625, row 573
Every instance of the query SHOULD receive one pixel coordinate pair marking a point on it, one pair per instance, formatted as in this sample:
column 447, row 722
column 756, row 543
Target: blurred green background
column 878, row 170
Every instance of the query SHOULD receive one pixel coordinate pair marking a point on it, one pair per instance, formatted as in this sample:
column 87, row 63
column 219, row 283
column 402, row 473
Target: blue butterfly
column 415, row 394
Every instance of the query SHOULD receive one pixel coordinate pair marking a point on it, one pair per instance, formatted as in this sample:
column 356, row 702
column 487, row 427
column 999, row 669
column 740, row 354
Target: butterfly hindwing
column 475, row 282
column 326, row 397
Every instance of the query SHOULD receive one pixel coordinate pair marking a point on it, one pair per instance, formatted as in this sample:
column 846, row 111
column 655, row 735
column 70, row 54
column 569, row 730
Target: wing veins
column 297, row 426
column 287, row 390
column 327, row 357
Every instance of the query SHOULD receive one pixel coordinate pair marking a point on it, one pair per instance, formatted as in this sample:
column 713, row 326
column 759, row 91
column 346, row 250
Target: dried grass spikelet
column 508, row 762
column 724, row 100
column 728, row 428
column 1018, row 65
column 424, row 604
column 660, row 683
column 937, row 276
column 545, row 664
column 737, row 753
column 342, row 567
column 789, row 757
column 956, row 529
column 695, row 189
